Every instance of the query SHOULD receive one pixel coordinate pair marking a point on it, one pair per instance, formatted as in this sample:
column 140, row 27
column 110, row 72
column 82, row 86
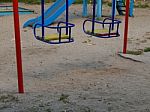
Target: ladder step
column 119, row 2
column 121, row 6
column 122, row 10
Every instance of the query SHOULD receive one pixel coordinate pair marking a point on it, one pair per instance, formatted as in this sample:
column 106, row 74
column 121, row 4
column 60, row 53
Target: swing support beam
column 18, row 47
column 126, row 27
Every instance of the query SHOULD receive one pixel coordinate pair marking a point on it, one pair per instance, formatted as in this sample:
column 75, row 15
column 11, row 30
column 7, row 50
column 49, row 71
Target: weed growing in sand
column 8, row 98
column 141, row 4
column 147, row 49
column 48, row 110
column 88, row 40
column 99, row 19
column 138, row 52
column 109, row 4
column 4, row 106
column 64, row 98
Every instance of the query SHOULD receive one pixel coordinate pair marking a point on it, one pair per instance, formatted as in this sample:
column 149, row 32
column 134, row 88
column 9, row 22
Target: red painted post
column 18, row 47
column 126, row 27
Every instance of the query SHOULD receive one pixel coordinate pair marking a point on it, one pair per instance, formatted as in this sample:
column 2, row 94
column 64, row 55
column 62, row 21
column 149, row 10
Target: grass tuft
column 147, row 49
column 8, row 98
column 64, row 98
column 138, row 52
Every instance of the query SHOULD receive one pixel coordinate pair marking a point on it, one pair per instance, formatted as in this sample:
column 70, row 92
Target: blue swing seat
column 104, row 32
column 59, row 37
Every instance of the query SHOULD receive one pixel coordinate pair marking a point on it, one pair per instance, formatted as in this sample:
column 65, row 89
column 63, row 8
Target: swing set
column 66, row 37
column 67, row 26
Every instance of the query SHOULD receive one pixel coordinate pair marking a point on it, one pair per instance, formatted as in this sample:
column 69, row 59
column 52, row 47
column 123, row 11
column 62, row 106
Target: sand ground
column 77, row 77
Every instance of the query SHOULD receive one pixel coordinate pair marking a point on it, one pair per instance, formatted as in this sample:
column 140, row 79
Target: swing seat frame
column 109, row 32
column 59, row 37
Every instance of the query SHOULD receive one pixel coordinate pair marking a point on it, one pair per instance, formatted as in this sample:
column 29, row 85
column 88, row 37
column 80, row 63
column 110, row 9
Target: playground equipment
column 54, row 11
column 59, row 37
column 126, row 27
column 6, row 10
column 98, row 8
column 18, row 46
column 120, row 5
column 18, row 43
column 51, row 14
column 103, row 32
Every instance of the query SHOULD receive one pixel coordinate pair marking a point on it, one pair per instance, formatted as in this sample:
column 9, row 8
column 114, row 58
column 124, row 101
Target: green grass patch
column 141, row 4
column 109, row 4
column 137, row 52
column 147, row 49
column 64, row 98
column 8, row 98
column 99, row 19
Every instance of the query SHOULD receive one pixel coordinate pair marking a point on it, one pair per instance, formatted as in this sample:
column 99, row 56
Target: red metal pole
column 126, row 27
column 18, row 46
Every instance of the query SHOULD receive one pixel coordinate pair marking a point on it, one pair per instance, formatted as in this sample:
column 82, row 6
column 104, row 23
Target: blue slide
column 51, row 14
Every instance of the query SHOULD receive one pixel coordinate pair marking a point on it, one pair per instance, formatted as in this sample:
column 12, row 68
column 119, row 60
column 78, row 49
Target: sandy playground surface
column 85, row 76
